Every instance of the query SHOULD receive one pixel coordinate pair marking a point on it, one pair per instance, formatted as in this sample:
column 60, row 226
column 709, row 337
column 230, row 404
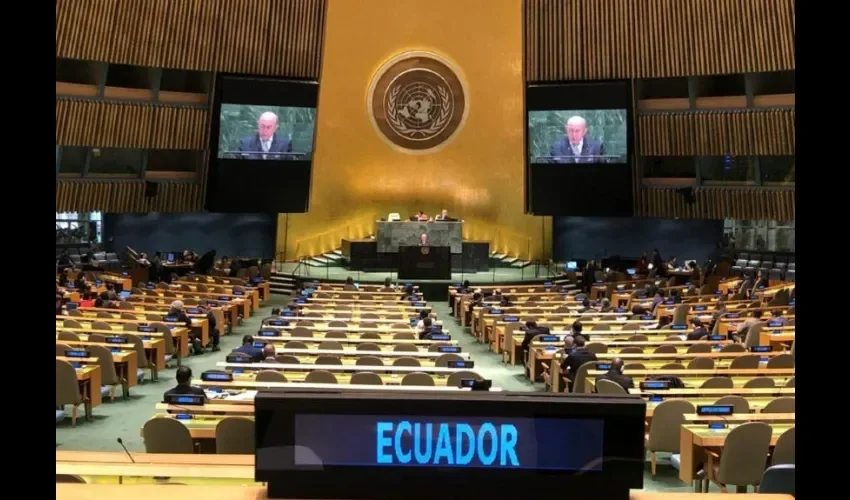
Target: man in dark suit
column 575, row 146
column 265, row 140
column 248, row 348
column 575, row 357
column 615, row 374
column 531, row 331
column 184, row 384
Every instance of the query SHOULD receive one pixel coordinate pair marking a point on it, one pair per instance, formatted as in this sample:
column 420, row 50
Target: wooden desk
column 90, row 376
column 127, row 364
column 154, row 348
column 695, row 438
column 182, row 492
column 180, row 337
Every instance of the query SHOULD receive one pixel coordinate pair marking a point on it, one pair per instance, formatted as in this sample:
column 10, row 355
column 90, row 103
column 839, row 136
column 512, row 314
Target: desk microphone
column 121, row 442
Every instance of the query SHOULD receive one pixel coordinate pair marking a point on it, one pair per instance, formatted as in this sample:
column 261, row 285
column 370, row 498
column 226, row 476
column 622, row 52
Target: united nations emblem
column 417, row 102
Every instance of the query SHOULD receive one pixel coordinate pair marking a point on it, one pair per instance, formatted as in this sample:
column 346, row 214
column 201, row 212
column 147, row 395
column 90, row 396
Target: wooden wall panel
column 714, row 133
column 276, row 37
column 601, row 39
column 82, row 122
column 127, row 196
column 719, row 203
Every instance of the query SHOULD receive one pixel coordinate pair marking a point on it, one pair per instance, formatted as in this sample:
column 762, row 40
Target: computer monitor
column 571, row 265
column 170, row 257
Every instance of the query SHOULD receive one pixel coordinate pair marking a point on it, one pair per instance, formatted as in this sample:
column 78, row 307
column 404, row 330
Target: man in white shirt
column 266, row 140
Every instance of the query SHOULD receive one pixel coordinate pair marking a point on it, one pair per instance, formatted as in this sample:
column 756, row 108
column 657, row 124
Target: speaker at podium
column 425, row 262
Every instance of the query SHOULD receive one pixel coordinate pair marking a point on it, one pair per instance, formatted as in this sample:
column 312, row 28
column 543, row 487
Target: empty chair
column 791, row 382
column 674, row 338
column 760, row 383
column 304, row 322
column 404, row 336
column 338, row 324
column 68, row 336
column 634, row 366
column 288, row 359
column 76, row 313
column 718, row 383
column 597, row 347
column 370, row 336
column 153, row 317
column 749, row 361
column 61, row 348
column 456, row 377
column 141, row 357
column 701, row 364
column 368, row 346
column 436, row 347
column 71, row 323
column 605, row 386
column 301, row 332
column 369, row 361
column 406, row 361
column 779, row 405
column 680, row 314
column 104, row 315
column 733, row 348
column 328, row 360
column 329, row 345
column 418, row 378
column 740, row 404
column 638, row 337
column 336, row 335
column 743, row 458
column 443, row 360
column 784, row 451
column 366, row 378
column 697, row 348
column 781, row 361
column 632, row 349
column 68, row 390
column 295, row 344
column 665, row 349
column 125, row 306
column 270, row 376
column 100, row 325
column 664, row 432
column 779, row 479
column 368, row 325
column 320, row 377
column 166, row 435
column 601, row 327
column 127, row 315
column 405, row 348
column 673, row 366
column 109, row 376
column 69, row 478
column 235, row 436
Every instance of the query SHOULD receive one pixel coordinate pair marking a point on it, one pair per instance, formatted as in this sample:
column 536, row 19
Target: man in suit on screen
column 575, row 146
column 265, row 142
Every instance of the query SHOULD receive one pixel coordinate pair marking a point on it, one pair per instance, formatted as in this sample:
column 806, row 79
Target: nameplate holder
column 238, row 358
column 440, row 336
column 185, row 399
column 277, row 322
column 716, row 426
column 495, row 311
column 238, row 292
column 267, row 333
column 733, row 315
column 76, row 353
column 761, row 348
column 216, row 376
column 116, row 340
column 656, row 398
column 169, row 319
column 461, row 364
column 449, row 348
column 146, row 329
column 655, row 385
column 620, row 310
column 71, row 306
column 603, row 366
column 193, row 311
column 774, row 323
column 646, row 316
column 717, row 337
column 699, row 308
column 679, row 327
column 259, row 345
column 548, row 338
column 510, row 319
column 707, row 410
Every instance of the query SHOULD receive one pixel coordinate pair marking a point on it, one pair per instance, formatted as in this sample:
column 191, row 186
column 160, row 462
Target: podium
column 424, row 262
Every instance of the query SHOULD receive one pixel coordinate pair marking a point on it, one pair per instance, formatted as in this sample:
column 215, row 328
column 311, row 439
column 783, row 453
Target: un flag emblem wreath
column 417, row 102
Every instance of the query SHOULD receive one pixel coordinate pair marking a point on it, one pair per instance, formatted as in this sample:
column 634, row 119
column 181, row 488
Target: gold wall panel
column 714, row 133
column 598, row 39
column 719, row 203
column 81, row 122
column 478, row 176
column 277, row 37
column 127, row 196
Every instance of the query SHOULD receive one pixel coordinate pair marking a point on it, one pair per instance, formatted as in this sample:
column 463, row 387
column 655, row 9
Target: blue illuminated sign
column 474, row 442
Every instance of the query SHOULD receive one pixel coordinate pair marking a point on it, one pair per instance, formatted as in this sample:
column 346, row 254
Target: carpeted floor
column 124, row 418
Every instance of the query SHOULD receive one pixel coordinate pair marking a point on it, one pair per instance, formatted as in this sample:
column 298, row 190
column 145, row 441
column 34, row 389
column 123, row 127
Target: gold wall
column 478, row 176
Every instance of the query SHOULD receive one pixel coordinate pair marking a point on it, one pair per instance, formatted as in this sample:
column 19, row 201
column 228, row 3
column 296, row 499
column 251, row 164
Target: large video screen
column 579, row 138
column 264, row 132
column 262, row 136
